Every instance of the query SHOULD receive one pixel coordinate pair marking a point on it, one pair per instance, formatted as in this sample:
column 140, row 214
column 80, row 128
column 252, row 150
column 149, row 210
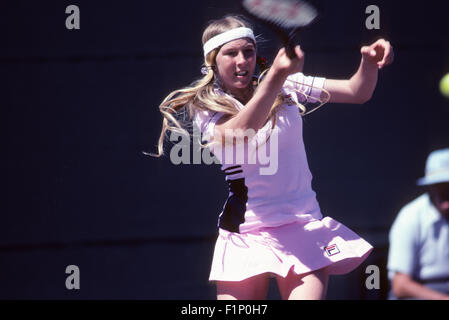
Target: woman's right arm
column 256, row 111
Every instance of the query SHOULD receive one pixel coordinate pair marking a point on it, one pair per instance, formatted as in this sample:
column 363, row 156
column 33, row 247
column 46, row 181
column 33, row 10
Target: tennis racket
column 285, row 17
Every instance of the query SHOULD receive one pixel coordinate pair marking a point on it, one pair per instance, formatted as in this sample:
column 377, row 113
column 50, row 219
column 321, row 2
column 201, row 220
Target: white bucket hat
column 437, row 168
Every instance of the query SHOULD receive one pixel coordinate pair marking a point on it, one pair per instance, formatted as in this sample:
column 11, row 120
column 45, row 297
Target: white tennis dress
column 271, row 220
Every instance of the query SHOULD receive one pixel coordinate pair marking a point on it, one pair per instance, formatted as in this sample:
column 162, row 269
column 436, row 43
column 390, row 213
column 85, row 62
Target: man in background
column 418, row 259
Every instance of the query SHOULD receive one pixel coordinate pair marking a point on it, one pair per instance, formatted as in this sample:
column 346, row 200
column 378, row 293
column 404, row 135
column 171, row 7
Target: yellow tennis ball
column 444, row 85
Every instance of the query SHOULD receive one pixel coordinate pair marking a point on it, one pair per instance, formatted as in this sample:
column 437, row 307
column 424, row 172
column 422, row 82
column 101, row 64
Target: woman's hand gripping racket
column 286, row 17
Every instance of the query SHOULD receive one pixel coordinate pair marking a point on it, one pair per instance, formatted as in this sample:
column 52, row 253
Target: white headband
column 227, row 36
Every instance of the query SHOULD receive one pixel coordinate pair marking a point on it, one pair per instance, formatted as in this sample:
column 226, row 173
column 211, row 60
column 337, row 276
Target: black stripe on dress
column 233, row 214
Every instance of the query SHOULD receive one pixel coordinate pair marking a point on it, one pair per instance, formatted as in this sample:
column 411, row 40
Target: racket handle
column 289, row 45
column 290, row 50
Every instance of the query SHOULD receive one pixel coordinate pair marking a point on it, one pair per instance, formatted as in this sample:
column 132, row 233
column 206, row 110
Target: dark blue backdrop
column 80, row 106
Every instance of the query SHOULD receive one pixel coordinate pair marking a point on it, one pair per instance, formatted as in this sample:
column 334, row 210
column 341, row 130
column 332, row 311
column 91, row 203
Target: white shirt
column 277, row 192
column 419, row 242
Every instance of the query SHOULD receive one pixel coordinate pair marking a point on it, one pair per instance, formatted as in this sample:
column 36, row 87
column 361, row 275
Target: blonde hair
column 179, row 107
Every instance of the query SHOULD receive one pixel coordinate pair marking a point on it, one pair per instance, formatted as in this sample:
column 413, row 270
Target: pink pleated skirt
column 302, row 247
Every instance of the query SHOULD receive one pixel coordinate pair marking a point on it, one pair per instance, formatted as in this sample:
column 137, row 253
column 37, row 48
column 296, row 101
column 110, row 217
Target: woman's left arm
column 360, row 87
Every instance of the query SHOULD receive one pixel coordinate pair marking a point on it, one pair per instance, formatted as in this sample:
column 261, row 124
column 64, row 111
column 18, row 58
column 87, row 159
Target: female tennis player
column 271, row 224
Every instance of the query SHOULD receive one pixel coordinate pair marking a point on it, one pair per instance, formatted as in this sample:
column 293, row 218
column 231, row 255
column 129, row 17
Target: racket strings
column 283, row 13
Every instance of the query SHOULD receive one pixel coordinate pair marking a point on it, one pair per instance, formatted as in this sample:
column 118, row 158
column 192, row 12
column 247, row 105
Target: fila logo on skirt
column 332, row 250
